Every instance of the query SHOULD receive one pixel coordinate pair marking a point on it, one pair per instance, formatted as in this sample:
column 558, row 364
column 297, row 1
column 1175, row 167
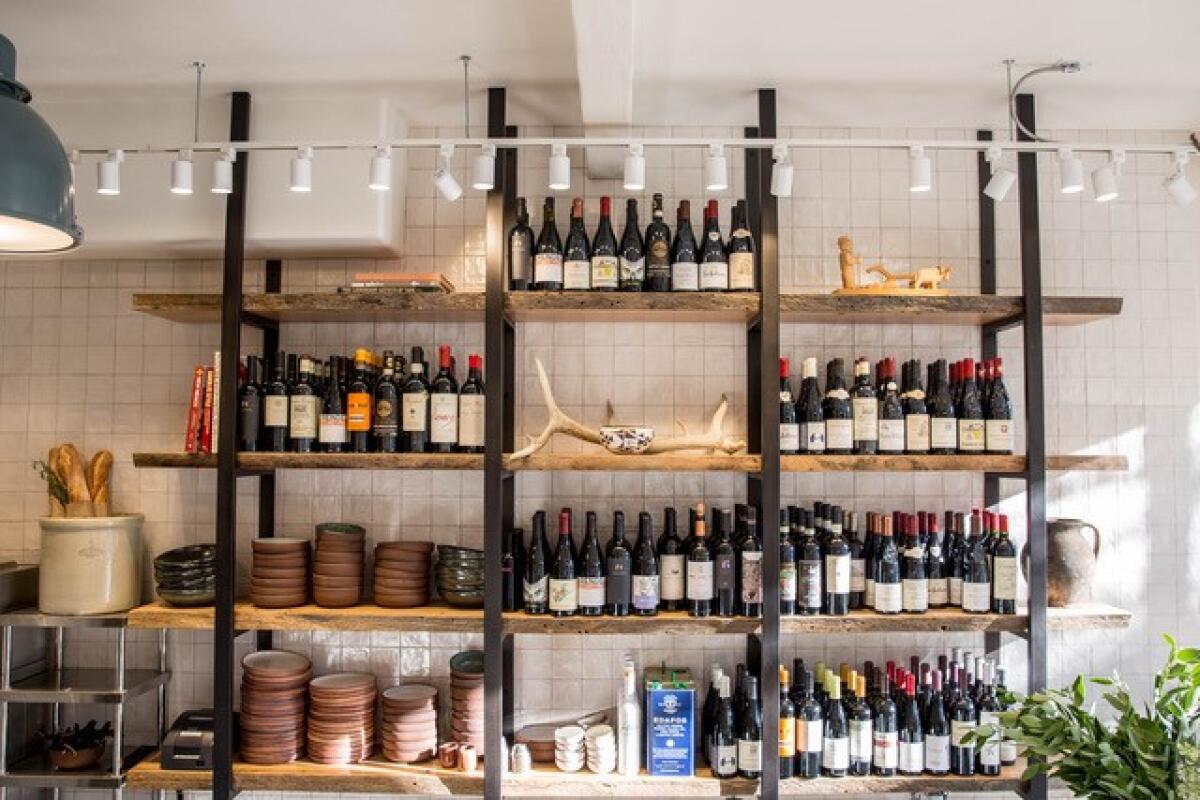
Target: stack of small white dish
column 569, row 749
column 601, row 749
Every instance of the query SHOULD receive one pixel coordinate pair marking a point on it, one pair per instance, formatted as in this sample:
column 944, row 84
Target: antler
column 712, row 439
column 559, row 422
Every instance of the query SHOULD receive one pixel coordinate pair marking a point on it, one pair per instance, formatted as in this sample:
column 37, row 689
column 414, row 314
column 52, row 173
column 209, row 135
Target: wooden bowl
column 76, row 759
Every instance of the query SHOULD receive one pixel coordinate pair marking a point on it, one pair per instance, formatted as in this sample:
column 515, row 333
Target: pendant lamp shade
column 37, row 193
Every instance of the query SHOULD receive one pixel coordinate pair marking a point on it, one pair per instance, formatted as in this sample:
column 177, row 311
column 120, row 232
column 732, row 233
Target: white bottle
column 629, row 723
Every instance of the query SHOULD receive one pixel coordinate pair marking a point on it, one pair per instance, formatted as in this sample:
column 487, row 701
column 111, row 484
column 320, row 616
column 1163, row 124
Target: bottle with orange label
column 787, row 726
column 358, row 404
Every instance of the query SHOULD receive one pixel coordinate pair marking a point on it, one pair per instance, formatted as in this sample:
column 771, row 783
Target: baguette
column 71, row 464
column 98, row 472
column 57, row 507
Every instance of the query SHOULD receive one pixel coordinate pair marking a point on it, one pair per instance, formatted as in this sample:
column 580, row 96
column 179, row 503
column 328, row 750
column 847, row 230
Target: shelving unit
column 762, row 314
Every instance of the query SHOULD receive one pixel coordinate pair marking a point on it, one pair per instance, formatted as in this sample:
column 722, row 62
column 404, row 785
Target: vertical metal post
column 226, row 522
column 162, row 689
column 119, row 710
column 5, row 683
column 1035, row 412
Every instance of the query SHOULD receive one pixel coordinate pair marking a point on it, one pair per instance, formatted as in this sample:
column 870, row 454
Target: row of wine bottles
column 966, row 409
column 369, row 404
column 825, row 566
column 653, row 263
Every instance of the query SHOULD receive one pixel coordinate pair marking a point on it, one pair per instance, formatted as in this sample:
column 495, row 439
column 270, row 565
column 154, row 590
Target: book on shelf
column 192, row 441
column 411, row 281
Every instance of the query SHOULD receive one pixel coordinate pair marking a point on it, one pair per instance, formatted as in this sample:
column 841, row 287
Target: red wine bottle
column 250, row 407
column 658, row 250
column 839, row 414
column 619, row 562
column 685, row 268
column 858, row 573
column 414, row 410
column 1004, row 572
column 275, row 408
column 962, row 722
column 591, row 576
column 787, row 726
column 564, row 586
column 632, row 254
column 998, row 425
column 916, row 581
column 943, row 425
column 714, row 264
column 672, row 564
column 645, row 570
column 787, row 567
column 837, row 567
column 385, row 421
column 861, row 723
column 577, row 254
column 548, row 258
column 810, row 568
column 888, row 581
column 864, row 402
column 536, row 588
column 912, row 734
column 724, row 556
column 886, row 750
column 976, row 578
column 520, row 250
column 989, row 714
column 937, row 731
column 606, row 268
column 443, row 405
column 935, row 567
column 916, row 412
column 789, row 426
column 750, row 556
column 304, row 410
column 471, row 406
column 970, row 412
column 743, row 259
column 891, row 412
column 810, row 727
column 699, row 569
column 810, row 415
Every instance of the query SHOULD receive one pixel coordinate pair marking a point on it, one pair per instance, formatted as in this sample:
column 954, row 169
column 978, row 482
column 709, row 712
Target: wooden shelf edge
column 965, row 309
column 665, row 622
column 1087, row 463
column 600, row 461
column 434, row 617
column 266, row 462
column 633, row 306
column 1086, row 616
column 547, row 781
column 1009, row 779
column 391, row 305
column 902, row 463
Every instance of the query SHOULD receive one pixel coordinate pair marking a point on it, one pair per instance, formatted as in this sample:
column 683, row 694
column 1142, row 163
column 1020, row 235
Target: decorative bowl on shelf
column 69, row 759
column 626, row 439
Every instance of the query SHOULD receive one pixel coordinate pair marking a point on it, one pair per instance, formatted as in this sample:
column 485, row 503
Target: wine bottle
column 443, row 406
column 976, row 578
column 916, row 413
column 619, row 563
column 742, row 251
column 943, row 424
column 331, row 425
column 520, row 250
column 577, row 252
column 591, row 573
column 962, row 723
column 835, row 747
column 937, row 731
column 632, row 253
column 658, row 250
column 839, row 413
column 1008, row 746
column 989, row 714
column 672, row 558
column 685, row 269
column 548, row 258
column 749, row 746
column 837, row 568
column 915, row 584
column 724, row 735
column 886, row 750
column 303, row 410
column 606, row 268
column 892, row 423
column 809, row 413
column 250, row 397
column 471, row 406
column 912, row 734
column 714, row 264
column 516, row 547
column 699, row 569
column 509, row 593
column 861, row 726
column 810, row 730
column 998, row 425
column 1004, row 572
column 750, row 554
column 858, row 565
column 787, row 726
column 970, row 412
column 789, row 426
column 359, row 405
column 629, row 723
column 869, row 555
column 385, row 407
column 888, row 580
column 864, row 403
column 708, row 717
column 787, row 568
column 809, row 569
column 645, row 570
column 564, row 588
column 935, row 568
column 414, row 411
column 536, row 588
column 724, row 555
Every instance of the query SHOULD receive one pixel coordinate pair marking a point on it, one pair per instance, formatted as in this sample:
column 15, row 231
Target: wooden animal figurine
column 924, row 278
column 848, row 260
column 925, row 281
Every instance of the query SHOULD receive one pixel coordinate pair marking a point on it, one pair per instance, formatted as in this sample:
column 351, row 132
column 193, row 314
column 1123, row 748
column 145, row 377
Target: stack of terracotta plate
column 338, row 565
column 466, row 698
column 279, row 576
column 402, row 573
column 540, row 741
column 408, row 732
column 341, row 718
column 274, row 683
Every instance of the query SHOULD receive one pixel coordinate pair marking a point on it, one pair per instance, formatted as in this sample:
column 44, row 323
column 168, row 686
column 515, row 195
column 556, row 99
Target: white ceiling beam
column 604, row 42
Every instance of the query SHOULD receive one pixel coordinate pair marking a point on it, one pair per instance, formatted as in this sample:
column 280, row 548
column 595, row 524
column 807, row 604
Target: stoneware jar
column 1070, row 561
column 90, row 565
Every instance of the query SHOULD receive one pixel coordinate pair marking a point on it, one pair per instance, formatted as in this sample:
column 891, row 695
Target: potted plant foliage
column 1151, row 753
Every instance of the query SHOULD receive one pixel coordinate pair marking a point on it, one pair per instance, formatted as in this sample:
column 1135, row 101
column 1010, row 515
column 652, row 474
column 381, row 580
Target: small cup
column 468, row 759
column 448, row 755
column 522, row 759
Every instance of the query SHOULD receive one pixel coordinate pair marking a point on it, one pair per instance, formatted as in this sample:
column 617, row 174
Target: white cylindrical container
column 90, row 565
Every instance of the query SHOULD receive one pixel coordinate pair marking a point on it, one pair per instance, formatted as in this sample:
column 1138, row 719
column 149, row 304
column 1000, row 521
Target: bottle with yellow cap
column 358, row 403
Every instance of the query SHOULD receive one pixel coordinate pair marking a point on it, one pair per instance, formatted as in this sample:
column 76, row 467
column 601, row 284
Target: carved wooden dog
column 924, row 278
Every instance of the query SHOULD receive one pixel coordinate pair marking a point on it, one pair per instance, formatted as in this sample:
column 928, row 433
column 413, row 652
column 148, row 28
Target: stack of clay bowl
column 279, row 576
column 338, row 564
column 408, row 732
column 274, row 684
column 341, row 718
column 540, row 741
column 402, row 574
column 466, row 698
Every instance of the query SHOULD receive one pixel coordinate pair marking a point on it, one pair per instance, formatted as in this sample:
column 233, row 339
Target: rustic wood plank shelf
column 665, row 622
column 633, row 306
column 547, row 781
column 1090, row 616
column 602, row 461
column 957, row 463
column 364, row 306
column 1009, row 779
column 436, row 617
column 953, row 310
column 267, row 462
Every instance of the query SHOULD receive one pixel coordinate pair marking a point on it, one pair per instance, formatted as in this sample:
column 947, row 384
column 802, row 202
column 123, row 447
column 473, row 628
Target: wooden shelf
column 956, row 463
column 435, row 617
column 602, row 461
column 952, row 310
column 1087, row 463
column 363, row 306
column 633, row 306
column 548, row 781
column 373, row 776
column 1009, row 779
column 665, row 622
column 268, row 462
column 1090, row 616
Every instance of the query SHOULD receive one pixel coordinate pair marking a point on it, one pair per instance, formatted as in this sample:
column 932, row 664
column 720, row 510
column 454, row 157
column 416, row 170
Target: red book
column 193, row 426
column 207, row 419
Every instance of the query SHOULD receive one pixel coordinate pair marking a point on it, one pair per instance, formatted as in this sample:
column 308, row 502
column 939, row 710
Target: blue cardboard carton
column 670, row 722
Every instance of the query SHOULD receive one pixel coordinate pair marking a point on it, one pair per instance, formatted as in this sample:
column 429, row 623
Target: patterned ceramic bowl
column 626, row 439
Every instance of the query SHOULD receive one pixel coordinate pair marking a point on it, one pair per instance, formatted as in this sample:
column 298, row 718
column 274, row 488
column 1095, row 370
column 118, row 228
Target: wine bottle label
column 939, row 591
column 912, row 757
column 837, row 574
column 787, row 581
column 305, row 412
column 916, row 594
column 885, row 751
column 1008, row 751
column 956, row 585
column 789, row 436
column 999, row 435
column 916, row 433
column 937, row 753
column 537, row 591
column 752, row 577
column 519, row 258
column 809, row 583
column 633, row 271
column 700, row 580
column 547, row 268
column 714, row 276
column 672, row 578
column 866, row 419
column 470, row 419
column 869, row 592
column 591, row 592
column 387, row 417
column 443, row 418
column 577, row 274
column 659, row 254
column 248, row 415
column 976, row 596
column 835, row 753
column 959, row 730
column 787, row 737
column 749, row 755
column 413, row 413
column 727, row 759
column 943, row 433
column 741, row 271
column 724, row 573
column 685, row 276
column 605, row 272
column 812, row 437
column 810, row 735
column 332, row 429
column 989, row 754
column 564, row 595
column 620, row 582
column 891, row 436
column 358, row 412
column 645, row 592
column 970, row 435
column 275, row 411
column 1004, row 577
column 839, row 434
column 889, row 598
column 860, row 740
column 858, row 575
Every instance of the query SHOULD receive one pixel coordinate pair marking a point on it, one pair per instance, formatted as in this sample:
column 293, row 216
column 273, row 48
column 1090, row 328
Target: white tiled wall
column 76, row 364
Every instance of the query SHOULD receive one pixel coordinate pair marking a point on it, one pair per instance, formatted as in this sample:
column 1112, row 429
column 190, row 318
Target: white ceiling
column 863, row 63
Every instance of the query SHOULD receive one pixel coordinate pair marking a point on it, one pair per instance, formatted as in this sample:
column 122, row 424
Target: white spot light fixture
column 560, row 168
column 782, row 172
column 716, row 169
column 635, row 169
column 447, row 185
column 222, row 180
column 920, row 170
column 108, row 173
column 1178, row 187
column 302, row 170
column 181, row 173
column 1002, row 179
column 1104, row 178
column 483, row 175
column 380, row 179
column 1070, row 172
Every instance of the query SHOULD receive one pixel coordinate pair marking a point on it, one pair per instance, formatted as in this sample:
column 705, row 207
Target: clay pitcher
column 1071, row 560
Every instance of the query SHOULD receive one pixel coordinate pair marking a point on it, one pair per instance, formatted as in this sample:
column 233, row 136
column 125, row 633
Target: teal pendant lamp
column 37, row 195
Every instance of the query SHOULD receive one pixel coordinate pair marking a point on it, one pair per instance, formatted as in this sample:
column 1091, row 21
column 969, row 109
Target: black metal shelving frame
column 763, row 488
